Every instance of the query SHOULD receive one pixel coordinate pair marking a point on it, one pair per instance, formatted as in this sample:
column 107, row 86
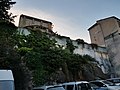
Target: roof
column 92, row 26
column 108, row 18
column 71, row 83
column 6, row 75
column 29, row 17
column 102, row 20
column 97, row 80
column 49, row 86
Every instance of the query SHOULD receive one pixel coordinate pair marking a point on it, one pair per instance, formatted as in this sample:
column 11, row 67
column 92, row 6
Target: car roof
column 49, row 86
column 71, row 83
column 96, row 80
column 6, row 75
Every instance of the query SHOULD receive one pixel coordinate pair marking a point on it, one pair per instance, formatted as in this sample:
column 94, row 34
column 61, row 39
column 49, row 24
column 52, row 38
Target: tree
column 36, row 49
column 7, row 30
column 5, row 5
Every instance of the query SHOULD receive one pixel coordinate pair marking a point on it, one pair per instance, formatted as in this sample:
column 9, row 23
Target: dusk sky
column 70, row 18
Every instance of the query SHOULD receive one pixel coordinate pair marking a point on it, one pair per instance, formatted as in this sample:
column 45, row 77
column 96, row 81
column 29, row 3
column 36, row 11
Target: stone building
column 35, row 24
column 83, row 48
column 106, row 32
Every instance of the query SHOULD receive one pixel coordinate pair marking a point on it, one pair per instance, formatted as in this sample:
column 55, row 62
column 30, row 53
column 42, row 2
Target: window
column 70, row 87
column 56, row 88
column 84, row 86
column 99, row 84
column 88, row 86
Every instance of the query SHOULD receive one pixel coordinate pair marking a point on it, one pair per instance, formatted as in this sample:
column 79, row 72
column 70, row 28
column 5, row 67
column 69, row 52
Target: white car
column 50, row 87
column 105, row 85
column 78, row 85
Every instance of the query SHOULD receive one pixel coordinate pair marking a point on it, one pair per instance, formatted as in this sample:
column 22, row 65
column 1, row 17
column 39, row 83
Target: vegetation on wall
column 94, row 46
column 70, row 46
column 80, row 41
column 43, row 58
column 62, row 37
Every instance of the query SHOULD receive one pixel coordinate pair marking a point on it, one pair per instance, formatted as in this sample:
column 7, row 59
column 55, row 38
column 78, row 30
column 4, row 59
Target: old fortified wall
column 82, row 48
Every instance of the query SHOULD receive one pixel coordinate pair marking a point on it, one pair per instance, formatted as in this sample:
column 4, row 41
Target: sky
column 70, row 18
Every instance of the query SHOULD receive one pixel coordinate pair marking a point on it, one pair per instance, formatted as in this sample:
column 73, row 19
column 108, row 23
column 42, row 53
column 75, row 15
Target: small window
column 33, row 21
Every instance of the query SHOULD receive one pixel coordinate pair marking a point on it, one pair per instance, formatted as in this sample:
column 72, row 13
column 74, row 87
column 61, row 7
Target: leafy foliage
column 5, row 5
column 70, row 46
column 43, row 57
column 6, row 39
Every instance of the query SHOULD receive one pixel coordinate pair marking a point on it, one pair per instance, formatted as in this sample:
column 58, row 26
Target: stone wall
column 113, row 46
column 83, row 48
column 97, row 52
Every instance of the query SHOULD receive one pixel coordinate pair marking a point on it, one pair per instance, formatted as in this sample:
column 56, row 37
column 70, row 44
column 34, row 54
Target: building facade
column 35, row 24
column 106, row 32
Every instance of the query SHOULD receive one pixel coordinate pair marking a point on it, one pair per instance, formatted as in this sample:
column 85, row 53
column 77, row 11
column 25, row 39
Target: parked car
column 6, row 80
column 50, row 87
column 95, row 87
column 104, row 85
column 116, row 81
column 81, row 85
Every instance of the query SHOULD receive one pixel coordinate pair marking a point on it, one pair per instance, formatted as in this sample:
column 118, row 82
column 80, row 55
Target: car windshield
column 114, row 80
column 93, row 85
column 99, row 84
column 56, row 88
